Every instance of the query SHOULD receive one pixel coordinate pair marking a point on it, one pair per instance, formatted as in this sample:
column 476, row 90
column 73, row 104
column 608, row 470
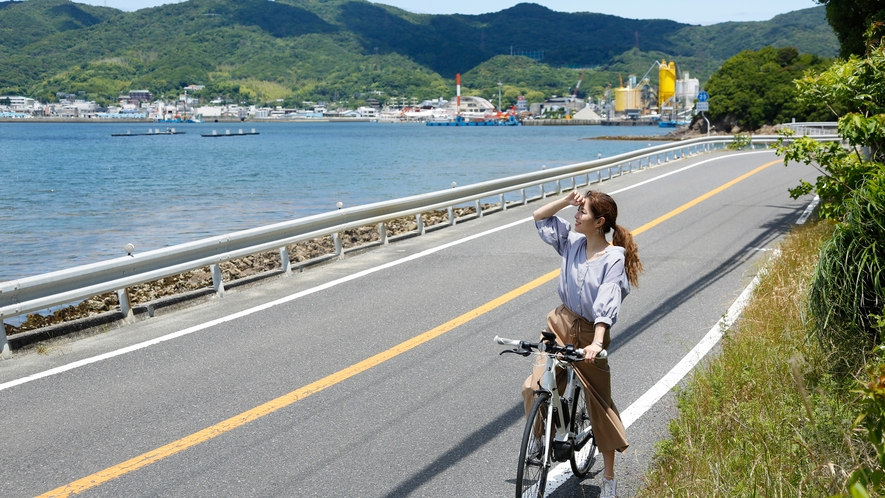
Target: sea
column 73, row 194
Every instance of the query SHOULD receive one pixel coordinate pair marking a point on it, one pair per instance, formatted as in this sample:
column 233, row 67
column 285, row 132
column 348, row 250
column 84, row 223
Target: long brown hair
column 603, row 206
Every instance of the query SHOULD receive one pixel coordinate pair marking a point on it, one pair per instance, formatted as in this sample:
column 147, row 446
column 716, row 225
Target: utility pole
column 499, row 96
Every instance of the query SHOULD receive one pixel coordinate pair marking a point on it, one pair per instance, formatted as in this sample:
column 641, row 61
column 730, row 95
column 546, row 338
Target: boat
column 227, row 133
column 462, row 121
column 150, row 132
column 178, row 120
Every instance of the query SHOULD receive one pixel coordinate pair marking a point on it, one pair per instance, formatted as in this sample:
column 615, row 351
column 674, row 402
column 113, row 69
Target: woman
column 594, row 278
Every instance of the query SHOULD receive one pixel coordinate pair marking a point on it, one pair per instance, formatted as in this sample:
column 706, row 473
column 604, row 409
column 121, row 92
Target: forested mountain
column 262, row 51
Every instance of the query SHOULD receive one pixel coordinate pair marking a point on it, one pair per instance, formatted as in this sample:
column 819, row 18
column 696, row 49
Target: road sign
column 703, row 97
column 703, row 106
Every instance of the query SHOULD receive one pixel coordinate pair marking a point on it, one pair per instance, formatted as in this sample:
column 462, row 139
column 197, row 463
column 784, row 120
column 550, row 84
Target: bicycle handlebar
column 507, row 342
column 569, row 351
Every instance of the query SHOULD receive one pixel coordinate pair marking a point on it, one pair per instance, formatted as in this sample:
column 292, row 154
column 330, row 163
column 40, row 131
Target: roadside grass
column 765, row 417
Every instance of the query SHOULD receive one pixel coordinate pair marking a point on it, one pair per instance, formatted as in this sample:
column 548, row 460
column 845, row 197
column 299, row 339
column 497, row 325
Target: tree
column 752, row 89
column 850, row 20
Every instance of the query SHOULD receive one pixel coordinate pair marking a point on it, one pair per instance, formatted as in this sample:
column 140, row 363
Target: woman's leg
column 608, row 459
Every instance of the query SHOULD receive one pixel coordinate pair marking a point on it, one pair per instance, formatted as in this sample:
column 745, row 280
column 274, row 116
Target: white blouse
column 592, row 289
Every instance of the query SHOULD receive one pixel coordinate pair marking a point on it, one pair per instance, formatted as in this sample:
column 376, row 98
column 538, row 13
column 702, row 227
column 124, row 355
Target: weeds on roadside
column 765, row 417
column 741, row 141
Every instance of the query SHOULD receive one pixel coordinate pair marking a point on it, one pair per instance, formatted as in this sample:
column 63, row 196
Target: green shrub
column 847, row 292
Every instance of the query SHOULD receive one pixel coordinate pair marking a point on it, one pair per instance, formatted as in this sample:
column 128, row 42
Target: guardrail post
column 382, row 232
column 420, row 220
column 478, row 209
column 451, row 216
column 284, row 258
column 125, row 305
column 339, row 247
column 217, row 280
column 4, row 344
column 503, row 204
column 522, row 193
column 558, row 187
column 542, row 191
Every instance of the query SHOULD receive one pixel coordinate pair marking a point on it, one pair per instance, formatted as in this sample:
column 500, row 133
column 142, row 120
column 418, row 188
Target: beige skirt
column 571, row 328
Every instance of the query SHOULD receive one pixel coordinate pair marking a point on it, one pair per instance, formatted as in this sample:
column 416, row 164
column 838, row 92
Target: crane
column 575, row 94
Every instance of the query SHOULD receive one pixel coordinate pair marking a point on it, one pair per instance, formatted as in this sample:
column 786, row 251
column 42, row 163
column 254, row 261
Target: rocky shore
column 300, row 254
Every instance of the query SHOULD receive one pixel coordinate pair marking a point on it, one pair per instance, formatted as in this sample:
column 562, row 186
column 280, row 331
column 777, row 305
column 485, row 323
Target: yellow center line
column 702, row 198
column 241, row 419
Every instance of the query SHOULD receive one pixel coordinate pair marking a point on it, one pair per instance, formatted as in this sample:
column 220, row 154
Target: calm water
column 72, row 194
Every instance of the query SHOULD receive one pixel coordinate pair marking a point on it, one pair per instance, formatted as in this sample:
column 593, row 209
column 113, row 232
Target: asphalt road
column 226, row 399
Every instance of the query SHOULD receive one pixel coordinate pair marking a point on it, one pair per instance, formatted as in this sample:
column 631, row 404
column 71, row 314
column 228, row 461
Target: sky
column 685, row 11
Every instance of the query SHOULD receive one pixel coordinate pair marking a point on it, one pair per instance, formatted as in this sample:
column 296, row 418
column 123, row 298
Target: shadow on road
column 772, row 230
column 467, row 447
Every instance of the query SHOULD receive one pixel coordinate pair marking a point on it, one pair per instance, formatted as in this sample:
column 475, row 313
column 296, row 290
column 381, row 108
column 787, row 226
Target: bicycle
column 564, row 417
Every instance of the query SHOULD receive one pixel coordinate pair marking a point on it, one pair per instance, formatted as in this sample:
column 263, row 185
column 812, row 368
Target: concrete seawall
column 587, row 122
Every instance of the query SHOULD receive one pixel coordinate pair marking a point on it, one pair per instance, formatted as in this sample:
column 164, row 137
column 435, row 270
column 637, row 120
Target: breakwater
column 588, row 122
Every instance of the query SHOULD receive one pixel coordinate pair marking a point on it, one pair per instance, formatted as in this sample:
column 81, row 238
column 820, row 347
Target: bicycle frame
column 560, row 410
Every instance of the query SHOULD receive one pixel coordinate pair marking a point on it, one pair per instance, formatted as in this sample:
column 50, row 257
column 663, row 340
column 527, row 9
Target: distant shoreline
column 205, row 121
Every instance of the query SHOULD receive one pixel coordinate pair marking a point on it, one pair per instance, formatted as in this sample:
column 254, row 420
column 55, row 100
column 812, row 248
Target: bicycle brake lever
column 521, row 352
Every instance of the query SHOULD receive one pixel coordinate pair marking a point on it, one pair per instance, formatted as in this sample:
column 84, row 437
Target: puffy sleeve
column 612, row 291
column 554, row 231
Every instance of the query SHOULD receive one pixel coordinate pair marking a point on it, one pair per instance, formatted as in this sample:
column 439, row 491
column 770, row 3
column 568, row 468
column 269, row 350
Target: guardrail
column 811, row 128
column 18, row 297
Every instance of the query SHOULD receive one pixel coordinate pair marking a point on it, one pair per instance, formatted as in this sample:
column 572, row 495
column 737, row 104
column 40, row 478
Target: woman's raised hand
column 575, row 198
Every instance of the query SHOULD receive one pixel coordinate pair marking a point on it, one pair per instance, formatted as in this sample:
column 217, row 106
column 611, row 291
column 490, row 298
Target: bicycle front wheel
column 582, row 459
column 531, row 473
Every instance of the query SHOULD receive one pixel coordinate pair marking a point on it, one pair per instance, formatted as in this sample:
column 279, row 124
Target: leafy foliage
column 756, row 88
column 848, row 289
column 854, row 92
column 850, row 19
column 872, row 418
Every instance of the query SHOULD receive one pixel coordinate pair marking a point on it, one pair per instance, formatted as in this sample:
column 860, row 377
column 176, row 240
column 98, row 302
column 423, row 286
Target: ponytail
column 603, row 206
column 632, row 265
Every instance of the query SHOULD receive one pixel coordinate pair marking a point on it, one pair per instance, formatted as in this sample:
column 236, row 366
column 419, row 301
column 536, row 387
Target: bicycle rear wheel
column 582, row 460
column 531, row 473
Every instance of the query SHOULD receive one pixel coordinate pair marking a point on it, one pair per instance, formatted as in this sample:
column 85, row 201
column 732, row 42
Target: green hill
column 259, row 51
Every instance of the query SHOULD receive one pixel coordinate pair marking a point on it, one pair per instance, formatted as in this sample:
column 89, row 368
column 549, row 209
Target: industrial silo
column 621, row 99
column 687, row 89
column 667, row 82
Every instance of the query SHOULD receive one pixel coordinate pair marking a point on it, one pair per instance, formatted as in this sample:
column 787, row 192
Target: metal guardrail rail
column 26, row 295
column 811, row 128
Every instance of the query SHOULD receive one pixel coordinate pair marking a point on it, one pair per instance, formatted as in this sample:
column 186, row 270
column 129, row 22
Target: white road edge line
column 561, row 473
column 292, row 297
